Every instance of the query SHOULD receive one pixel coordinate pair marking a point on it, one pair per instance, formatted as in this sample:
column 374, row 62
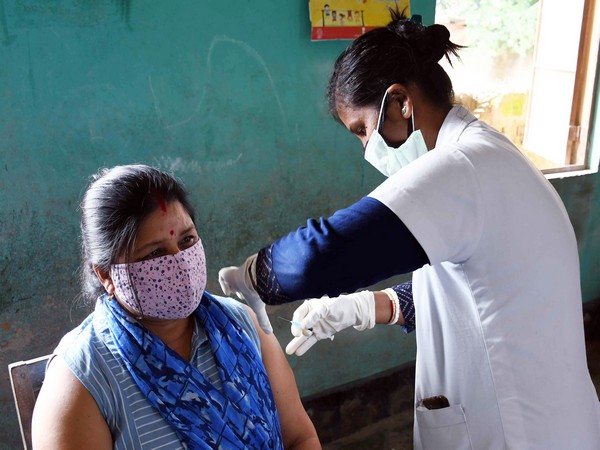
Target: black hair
column 112, row 210
column 404, row 52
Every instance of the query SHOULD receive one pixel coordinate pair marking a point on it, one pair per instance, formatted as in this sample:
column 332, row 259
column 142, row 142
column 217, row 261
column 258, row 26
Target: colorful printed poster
column 348, row 19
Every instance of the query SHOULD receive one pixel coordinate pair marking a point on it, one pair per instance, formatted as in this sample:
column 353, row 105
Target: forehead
column 357, row 116
column 167, row 215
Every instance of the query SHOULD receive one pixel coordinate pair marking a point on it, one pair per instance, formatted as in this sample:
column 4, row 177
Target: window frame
column 578, row 156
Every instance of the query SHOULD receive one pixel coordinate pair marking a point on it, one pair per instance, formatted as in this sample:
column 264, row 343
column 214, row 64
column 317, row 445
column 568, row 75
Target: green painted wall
column 229, row 96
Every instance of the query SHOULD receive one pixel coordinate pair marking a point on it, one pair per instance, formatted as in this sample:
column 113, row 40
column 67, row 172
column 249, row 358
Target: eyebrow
column 160, row 241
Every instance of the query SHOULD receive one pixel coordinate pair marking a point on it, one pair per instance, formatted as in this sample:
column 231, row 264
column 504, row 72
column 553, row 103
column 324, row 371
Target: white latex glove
column 321, row 318
column 236, row 280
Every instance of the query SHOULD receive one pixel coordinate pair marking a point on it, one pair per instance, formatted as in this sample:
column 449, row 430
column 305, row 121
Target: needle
column 298, row 324
column 293, row 322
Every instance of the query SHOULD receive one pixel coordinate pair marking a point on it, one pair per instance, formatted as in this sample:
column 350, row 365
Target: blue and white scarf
column 242, row 416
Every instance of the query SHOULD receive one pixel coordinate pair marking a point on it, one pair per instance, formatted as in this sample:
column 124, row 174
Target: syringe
column 305, row 332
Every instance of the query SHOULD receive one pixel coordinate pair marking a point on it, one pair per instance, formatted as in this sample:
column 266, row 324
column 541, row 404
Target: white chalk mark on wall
column 250, row 51
column 182, row 165
column 155, row 100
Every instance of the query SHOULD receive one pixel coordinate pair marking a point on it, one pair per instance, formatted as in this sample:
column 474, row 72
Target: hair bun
column 438, row 38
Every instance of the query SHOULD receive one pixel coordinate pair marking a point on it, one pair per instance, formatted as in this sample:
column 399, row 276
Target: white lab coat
column 498, row 311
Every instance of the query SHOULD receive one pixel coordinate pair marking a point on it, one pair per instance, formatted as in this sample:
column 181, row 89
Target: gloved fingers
column 298, row 326
column 301, row 312
column 260, row 309
column 293, row 345
column 264, row 322
column 306, row 345
column 232, row 281
column 224, row 276
column 297, row 330
column 320, row 323
column 300, row 345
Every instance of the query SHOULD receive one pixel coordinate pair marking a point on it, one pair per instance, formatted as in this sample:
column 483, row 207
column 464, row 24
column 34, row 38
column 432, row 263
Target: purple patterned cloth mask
column 167, row 287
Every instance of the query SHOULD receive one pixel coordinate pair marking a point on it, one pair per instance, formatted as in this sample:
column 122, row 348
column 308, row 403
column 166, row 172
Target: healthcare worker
column 501, row 359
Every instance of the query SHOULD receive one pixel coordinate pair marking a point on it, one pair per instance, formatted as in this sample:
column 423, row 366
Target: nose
column 172, row 248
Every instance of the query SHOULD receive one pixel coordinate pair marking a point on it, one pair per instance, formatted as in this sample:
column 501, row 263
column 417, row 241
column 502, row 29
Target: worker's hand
column 236, row 280
column 321, row 318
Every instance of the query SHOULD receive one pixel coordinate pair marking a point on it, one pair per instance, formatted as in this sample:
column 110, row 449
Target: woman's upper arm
column 297, row 429
column 66, row 415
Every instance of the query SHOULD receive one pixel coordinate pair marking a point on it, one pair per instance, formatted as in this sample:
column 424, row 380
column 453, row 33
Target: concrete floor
column 395, row 432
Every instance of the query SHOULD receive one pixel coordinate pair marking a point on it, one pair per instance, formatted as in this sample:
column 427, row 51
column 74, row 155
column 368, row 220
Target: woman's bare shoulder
column 66, row 415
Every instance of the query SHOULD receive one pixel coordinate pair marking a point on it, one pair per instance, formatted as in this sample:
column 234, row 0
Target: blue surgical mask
column 389, row 160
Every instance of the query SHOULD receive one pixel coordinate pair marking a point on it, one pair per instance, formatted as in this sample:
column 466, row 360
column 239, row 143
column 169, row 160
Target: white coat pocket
column 441, row 429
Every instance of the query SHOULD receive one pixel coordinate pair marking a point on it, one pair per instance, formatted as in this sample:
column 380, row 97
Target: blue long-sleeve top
column 356, row 247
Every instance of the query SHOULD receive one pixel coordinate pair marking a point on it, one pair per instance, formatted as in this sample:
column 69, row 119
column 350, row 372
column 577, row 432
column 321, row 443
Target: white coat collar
column 454, row 124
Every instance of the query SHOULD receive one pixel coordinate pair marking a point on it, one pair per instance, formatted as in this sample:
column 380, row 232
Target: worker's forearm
column 383, row 309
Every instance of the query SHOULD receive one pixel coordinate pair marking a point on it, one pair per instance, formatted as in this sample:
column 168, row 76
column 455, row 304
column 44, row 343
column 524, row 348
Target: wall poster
column 348, row 19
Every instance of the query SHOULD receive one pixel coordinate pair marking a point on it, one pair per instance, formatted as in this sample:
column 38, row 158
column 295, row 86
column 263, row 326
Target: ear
column 400, row 104
column 105, row 279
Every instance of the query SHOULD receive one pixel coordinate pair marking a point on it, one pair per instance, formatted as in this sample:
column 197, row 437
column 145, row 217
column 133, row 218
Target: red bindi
column 171, row 232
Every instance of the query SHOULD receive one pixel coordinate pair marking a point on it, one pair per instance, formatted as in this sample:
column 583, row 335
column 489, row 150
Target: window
column 528, row 70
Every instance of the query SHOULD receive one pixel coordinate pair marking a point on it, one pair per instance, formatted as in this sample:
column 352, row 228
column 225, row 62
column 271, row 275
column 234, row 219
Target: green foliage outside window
column 498, row 26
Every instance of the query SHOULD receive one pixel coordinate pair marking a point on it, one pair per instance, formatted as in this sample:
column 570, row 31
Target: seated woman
column 161, row 363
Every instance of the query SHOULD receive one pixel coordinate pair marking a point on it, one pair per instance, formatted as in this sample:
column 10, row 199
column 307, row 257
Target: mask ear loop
column 381, row 118
column 411, row 124
column 139, row 305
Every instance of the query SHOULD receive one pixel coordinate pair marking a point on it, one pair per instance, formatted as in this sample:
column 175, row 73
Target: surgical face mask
column 167, row 287
column 389, row 160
